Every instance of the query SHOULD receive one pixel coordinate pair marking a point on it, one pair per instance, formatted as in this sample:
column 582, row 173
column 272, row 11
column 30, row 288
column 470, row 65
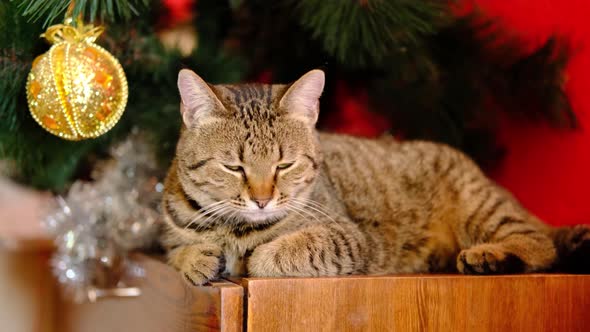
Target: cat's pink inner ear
column 197, row 98
column 302, row 98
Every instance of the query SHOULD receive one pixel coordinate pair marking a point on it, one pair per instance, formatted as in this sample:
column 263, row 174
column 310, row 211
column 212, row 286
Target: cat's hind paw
column 573, row 247
column 198, row 263
column 488, row 259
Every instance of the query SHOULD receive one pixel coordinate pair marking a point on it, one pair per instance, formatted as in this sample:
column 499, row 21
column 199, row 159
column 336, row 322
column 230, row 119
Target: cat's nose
column 261, row 202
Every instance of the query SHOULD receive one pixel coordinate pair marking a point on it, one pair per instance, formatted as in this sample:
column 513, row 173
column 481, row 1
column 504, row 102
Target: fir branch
column 91, row 10
column 364, row 33
column 433, row 94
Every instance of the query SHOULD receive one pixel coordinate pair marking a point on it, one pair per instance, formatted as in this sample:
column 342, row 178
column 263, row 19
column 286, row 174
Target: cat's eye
column 284, row 165
column 234, row 168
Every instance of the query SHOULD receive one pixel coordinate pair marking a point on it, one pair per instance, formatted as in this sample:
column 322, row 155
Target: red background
column 546, row 168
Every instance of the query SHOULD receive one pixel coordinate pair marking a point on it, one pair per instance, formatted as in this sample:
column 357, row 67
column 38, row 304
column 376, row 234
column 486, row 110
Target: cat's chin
column 262, row 216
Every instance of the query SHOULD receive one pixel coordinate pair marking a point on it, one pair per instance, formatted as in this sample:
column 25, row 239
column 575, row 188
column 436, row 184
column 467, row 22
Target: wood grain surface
column 167, row 303
column 539, row 302
column 420, row 303
column 27, row 292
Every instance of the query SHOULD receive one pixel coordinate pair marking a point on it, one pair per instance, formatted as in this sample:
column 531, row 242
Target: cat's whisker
column 194, row 218
column 215, row 216
column 289, row 208
column 233, row 216
column 300, row 209
column 314, row 203
column 220, row 215
column 303, row 214
column 205, row 211
column 208, row 207
column 308, row 201
column 230, row 216
column 238, row 207
column 319, row 207
column 315, row 208
column 303, row 205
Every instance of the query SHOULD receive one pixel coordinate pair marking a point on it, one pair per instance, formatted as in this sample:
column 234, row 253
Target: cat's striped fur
column 255, row 190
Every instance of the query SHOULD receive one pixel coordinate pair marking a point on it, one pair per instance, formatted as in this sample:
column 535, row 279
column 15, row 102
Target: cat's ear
column 198, row 101
column 302, row 99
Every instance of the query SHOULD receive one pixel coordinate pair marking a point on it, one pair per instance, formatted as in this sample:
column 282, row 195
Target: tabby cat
column 256, row 190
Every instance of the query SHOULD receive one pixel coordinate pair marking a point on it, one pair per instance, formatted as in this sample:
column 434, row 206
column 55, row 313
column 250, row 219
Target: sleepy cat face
column 249, row 152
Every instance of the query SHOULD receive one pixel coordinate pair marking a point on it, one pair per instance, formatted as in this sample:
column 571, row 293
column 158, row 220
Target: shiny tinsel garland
column 97, row 223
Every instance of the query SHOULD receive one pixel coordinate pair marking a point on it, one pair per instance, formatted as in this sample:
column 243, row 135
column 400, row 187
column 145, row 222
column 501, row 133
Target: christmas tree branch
column 364, row 32
column 91, row 10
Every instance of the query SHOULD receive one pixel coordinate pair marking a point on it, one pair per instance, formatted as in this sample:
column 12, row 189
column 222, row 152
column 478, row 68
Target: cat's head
column 249, row 152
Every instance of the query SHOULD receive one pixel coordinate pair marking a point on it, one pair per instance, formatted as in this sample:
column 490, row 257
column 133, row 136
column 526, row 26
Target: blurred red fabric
column 548, row 169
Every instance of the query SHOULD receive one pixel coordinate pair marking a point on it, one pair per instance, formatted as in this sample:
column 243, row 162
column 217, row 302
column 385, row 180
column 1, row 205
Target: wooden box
column 539, row 302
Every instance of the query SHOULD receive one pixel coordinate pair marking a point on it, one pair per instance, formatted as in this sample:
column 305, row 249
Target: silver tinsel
column 97, row 223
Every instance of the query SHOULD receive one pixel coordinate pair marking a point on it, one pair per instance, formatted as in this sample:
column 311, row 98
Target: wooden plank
column 420, row 303
column 232, row 305
column 27, row 294
column 167, row 303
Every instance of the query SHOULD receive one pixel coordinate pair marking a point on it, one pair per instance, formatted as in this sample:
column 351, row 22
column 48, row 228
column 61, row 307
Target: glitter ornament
column 76, row 90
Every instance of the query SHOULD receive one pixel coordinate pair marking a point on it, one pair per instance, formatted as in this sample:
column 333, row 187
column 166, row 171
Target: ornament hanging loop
column 72, row 31
column 60, row 33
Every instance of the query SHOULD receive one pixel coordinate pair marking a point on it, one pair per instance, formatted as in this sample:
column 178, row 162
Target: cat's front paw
column 488, row 259
column 198, row 263
column 266, row 261
column 289, row 255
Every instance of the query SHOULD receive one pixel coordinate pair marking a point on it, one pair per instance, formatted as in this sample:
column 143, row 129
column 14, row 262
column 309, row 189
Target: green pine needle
column 364, row 33
column 91, row 10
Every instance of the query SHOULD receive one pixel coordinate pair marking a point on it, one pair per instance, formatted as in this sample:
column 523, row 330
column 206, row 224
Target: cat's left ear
column 198, row 102
column 302, row 99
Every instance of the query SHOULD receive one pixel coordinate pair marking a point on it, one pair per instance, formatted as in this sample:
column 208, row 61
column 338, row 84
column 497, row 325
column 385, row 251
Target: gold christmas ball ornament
column 76, row 90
